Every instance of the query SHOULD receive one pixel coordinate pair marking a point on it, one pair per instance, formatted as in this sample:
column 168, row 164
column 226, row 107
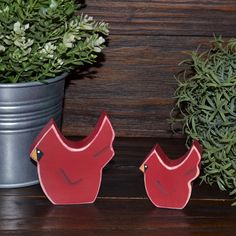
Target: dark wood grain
column 160, row 17
column 134, row 82
column 35, row 216
column 135, row 85
column 134, row 79
column 122, row 207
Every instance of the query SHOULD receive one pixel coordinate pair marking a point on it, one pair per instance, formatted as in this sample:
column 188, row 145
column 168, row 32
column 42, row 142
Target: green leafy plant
column 40, row 39
column 206, row 109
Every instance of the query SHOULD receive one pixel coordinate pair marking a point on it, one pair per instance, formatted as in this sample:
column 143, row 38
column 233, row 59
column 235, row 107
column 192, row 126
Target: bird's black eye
column 39, row 154
column 145, row 167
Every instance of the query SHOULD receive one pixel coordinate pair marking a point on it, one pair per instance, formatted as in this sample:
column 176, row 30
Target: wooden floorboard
column 122, row 207
column 134, row 84
column 134, row 78
column 152, row 17
column 35, row 215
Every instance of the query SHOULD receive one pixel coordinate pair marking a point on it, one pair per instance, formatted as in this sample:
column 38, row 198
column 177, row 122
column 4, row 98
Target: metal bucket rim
column 34, row 83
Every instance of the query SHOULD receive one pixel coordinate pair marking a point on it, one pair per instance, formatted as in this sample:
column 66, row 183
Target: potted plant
column 40, row 42
column 206, row 108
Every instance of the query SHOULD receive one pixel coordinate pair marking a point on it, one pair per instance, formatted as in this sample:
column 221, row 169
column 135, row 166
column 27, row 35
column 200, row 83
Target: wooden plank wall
column 134, row 79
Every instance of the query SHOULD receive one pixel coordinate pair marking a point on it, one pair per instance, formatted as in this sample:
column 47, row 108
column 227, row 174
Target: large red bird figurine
column 168, row 182
column 70, row 172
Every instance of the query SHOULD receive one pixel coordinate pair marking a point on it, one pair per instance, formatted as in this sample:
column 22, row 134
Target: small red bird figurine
column 70, row 172
column 168, row 182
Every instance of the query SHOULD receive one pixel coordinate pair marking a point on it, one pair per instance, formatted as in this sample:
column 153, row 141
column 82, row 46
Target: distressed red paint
column 71, row 172
column 168, row 182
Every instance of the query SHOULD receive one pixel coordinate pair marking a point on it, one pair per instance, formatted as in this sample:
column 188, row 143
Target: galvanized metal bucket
column 24, row 109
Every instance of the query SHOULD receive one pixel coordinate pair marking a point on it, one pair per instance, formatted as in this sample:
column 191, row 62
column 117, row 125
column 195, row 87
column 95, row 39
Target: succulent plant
column 206, row 109
column 40, row 39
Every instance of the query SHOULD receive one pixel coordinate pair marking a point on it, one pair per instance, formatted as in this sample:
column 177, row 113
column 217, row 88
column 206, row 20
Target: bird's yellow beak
column 142, row 168
column 33, row 155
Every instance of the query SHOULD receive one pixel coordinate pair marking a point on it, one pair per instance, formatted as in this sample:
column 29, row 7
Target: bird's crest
column 50, row 125
column 157, row 152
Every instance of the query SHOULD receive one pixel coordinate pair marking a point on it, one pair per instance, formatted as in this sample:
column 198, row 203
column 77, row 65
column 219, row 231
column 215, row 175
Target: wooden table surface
column 122, row 207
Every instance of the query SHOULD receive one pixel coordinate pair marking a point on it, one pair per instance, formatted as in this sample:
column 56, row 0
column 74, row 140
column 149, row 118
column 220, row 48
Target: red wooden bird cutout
column 70, row 172
column 168, row 182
